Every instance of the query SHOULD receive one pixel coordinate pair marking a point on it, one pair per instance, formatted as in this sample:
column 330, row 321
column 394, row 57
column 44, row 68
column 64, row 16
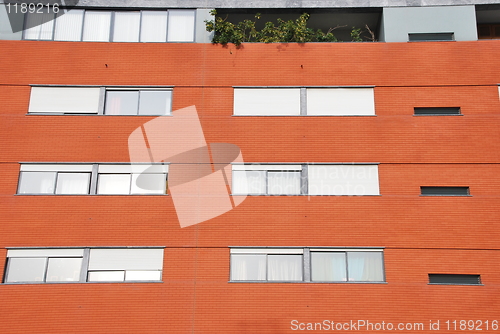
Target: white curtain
column 328, row 267
column 73, row 183
column 69, row 26
column 113, row 184
column 284, row 267
column 249, row 182
column 39, row 30
column 154, row 26
column 96, row 26
column 126, row 27
column 365, row 266
column 283, row 183
column 248, row 267
column 180, row 25
column 37, row 183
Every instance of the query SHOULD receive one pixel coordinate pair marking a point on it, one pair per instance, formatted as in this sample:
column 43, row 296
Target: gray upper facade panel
column 277, row 3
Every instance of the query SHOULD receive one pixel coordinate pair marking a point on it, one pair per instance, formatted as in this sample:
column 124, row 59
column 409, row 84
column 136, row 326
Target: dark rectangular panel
column 444, row 191
column 454, row 279
column 446, row 36
column 437, row 111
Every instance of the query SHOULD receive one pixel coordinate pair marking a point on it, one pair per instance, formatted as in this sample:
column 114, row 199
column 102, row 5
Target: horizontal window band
column 437, row 111
column 368, row 86
column 263, row 167
column 253, row 251
column 444, row 191
column 304, row 163
column 313, row 282
column 56, row 168
column 167, row 87
column 62, row 252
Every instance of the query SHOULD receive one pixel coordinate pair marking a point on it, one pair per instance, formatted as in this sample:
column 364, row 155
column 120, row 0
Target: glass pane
column 328, row 267
column 106, row 276
column 113, row 184
column 143, row 276
column 248, row 267
column 73, row 183
column 249, row 182
column 37, row 182
column 142, row 259
column 96, row 26
column 181, row 25
column 121, row 103
column 64, row 269
column 154, row 26
column 126, row 26
column 155, row 102
column 37, row 29
column 283, row 183
column 149, row 184
column 69, row 26
column 365, row 266
column 26, row 269
column 284, row 267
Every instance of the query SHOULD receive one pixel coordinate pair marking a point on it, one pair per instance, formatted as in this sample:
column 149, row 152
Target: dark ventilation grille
column 454, row 279
column 437, row 111
column 448, row 36
column 444, row 191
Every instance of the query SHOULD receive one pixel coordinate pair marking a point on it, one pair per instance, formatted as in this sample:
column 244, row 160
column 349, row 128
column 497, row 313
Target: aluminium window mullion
column 44, row 279
column 93, row 179
column 140, row 26
column 138, row 102
column 130, row 185
column 112, row 26
column 53, row 25
column 267, row 182
column 303, row 101
column 306, row 264
column 346, row 267
column 85, row 265
column 168, row 20
column 83, row 24
column 304, row 184
column 56, row 181
column 267, row 268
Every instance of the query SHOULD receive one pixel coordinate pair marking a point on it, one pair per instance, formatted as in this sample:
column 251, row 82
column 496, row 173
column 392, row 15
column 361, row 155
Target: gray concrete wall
column 278, row 3
column 397, row 23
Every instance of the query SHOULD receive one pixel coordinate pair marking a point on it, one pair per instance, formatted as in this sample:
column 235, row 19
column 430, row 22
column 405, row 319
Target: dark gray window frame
column 306, row 264
column 437, row 111
column 454, row 279
column 432, row 37
column 113, row 12
column 84, row 269
column 426, row 191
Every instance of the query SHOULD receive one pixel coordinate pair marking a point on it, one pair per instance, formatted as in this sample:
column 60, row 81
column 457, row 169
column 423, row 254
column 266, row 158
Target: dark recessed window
column 446, row 36
column 454, row 279
column 437, row 111
column 444, row 191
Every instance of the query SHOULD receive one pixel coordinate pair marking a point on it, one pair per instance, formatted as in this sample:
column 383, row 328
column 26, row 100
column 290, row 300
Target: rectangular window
column 428, row 37
column 83, row 265
column 138, row 102
column 351, row 266
column 340, row 101
column 132, row 180
column 455, row 279
column 267, row 101
column 307, row 265
column 267, row 179
column 69, row 25
column 40, row 24
column 76, row 179
column 338, row 180
column 64, row 100
column 176, row 25
column 55, row 179
column 444, row 191
column 326, row 101
column 285, row 265
column 88, row 100
column 437, row 111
